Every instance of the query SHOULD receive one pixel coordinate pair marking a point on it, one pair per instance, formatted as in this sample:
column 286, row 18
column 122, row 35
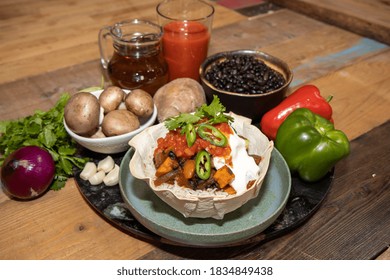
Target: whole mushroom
column 119, row 122
column 81, row 113
column 111, row 98
column 140, row 103
column 181, row 95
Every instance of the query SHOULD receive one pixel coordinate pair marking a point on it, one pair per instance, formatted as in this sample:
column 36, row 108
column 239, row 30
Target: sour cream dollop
column 243, row 166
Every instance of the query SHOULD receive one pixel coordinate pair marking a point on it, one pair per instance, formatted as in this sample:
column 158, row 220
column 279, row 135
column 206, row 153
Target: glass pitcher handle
column 103, row 33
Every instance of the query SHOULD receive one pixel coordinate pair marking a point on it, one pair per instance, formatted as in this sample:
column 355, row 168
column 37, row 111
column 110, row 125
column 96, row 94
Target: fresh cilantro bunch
column 46, row 130
column 213, row 113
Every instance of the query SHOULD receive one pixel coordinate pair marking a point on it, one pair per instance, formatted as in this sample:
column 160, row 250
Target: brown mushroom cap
column 140, row 103
column 81, row 113
column 181, row 95
column 119, row 122
column 111, row 98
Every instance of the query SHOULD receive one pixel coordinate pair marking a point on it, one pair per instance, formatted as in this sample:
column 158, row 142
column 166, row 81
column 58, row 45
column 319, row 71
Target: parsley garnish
column 213, row 113
column 46, row 130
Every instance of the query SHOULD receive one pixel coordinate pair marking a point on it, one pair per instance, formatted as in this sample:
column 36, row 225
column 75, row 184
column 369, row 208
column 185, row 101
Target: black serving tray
column 305, row 198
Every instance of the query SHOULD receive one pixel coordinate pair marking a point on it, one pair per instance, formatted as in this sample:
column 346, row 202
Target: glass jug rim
column 152, row 36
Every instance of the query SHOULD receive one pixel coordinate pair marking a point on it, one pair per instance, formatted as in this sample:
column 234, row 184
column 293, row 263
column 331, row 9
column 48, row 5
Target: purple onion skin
column 27, row 172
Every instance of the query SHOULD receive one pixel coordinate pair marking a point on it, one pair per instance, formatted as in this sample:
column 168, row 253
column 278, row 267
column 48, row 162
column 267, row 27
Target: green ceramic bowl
column 245, row 222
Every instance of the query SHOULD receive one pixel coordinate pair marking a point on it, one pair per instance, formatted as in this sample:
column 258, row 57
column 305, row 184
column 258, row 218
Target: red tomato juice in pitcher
column 185, row 47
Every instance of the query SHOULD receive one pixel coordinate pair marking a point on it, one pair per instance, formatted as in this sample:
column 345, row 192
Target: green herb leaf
column 58, row 182
column 214, row 113
column 181, row 120
column 48, row 137
column 66, row 165
column 66, row 150
column 3, row 126
column 214, row 108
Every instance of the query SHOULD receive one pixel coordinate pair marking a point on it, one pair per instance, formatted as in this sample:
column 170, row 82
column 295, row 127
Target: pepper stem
column 329, row 98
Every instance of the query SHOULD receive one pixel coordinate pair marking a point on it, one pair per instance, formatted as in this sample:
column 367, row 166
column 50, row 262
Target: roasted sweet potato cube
column 229, row 189
column 189, row 169
column 224, row 176
column 168, row 165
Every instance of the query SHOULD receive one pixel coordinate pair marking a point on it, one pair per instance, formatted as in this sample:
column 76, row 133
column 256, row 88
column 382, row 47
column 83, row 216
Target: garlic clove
column 112, row 178
column 106, row 164
column 97, row 178
column 88, row 171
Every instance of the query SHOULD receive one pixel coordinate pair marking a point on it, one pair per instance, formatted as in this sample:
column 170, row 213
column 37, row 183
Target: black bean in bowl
column 244, row 74
column 248, row 82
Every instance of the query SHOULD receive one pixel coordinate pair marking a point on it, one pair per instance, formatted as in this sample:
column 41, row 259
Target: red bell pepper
column 307, row 96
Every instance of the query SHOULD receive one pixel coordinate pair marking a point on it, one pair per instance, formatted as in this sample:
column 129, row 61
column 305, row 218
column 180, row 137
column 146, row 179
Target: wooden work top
column 50, row 48
column 369, row 18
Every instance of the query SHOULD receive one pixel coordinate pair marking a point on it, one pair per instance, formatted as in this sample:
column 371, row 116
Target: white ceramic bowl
column 112, row 144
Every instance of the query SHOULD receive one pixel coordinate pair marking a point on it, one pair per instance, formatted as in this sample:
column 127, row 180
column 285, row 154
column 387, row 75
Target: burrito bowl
column 228, row 159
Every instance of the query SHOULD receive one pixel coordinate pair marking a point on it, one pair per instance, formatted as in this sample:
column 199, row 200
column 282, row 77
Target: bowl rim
column 265, row 57
column 149, row 121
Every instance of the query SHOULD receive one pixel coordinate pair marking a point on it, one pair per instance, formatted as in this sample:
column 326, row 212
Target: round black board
column 305, row 198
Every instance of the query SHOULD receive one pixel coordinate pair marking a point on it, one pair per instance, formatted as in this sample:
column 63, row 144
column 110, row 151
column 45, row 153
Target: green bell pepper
column 310, row 144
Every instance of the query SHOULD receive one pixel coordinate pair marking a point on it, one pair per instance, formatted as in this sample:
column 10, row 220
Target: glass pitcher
column 137, row 61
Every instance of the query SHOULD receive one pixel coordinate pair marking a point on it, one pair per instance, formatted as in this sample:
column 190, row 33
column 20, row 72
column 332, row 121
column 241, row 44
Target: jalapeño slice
column 212, row 135
column 203, row 165
column 190, row 135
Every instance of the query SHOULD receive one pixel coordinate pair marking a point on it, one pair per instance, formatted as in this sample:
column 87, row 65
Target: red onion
column 28, row 172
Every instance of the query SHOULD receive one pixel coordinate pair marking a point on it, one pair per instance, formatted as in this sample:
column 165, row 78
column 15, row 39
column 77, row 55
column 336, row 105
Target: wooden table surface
column 49, row 47
column 369, row 18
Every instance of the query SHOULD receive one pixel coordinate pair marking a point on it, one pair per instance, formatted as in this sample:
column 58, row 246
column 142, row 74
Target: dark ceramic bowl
column 249, row 105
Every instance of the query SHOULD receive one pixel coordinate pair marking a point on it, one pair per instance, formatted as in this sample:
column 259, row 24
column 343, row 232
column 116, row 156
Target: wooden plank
column 385, row 255
column 61, row 225
column 356, row 210
column 309, row 53
column 43, row 36
column 367, row 18
column 360, row 94
column 42, row 92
